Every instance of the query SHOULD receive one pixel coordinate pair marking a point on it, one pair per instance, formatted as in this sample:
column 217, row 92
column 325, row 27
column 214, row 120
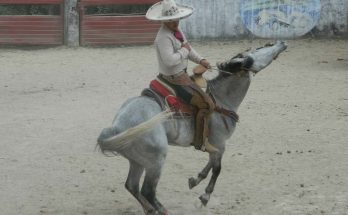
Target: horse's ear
column 223, row 66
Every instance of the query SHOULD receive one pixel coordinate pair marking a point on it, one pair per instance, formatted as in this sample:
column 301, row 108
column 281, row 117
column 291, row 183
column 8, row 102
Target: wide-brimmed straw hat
column 168, row 10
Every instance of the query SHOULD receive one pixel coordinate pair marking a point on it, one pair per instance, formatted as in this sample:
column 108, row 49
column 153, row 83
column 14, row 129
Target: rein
column 229, row 113
column 219, row 70
column 223, row 111
column 229, row 73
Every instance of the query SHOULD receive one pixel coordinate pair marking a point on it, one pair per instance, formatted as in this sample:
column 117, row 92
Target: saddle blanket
column 166, row 97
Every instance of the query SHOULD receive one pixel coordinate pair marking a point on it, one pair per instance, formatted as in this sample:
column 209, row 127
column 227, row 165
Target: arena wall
column 224, row 19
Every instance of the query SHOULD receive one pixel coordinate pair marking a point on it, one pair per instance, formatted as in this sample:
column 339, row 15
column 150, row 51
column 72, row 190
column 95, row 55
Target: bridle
column 219, row 70
column 230, row 73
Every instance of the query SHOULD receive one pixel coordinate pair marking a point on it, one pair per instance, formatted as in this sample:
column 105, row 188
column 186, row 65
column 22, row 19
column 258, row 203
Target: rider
column 173, row 53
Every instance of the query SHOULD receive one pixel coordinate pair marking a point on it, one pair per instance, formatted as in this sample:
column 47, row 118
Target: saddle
column 166, row 97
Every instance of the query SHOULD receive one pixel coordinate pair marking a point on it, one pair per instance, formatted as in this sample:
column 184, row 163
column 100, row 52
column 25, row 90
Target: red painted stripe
column 115, row 26
column 113, row 18
column 119, row 23
column 121, row 27
column 130, row 27
column 29, row 32
column 122, row 22
column 57, row 23
column 31, row 1
column 119, row 31
column 30, row 27
column 123, row 42
column 33, row 18
column 123, row 36
column 38, row 41
column 118, row 37
column 30, row 37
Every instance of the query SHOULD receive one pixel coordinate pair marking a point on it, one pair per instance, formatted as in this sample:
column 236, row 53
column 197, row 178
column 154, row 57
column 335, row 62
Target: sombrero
column 168, row 10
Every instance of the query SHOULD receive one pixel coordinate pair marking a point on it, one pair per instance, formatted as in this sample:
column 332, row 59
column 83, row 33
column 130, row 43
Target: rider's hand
column 186, row 46
column 205, row 63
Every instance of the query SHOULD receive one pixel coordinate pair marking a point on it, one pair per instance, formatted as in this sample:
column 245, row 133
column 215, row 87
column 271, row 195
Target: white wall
column 334, row 18
column 222, row 19
column 213, row 18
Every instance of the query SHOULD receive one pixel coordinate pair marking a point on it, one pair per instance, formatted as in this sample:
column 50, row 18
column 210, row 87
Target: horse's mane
column 236, row 64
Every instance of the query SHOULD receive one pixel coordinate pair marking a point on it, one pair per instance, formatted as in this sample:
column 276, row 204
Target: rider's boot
column 205, row 107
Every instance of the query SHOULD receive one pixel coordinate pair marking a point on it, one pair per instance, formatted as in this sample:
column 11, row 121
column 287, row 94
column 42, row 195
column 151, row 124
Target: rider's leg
column 205, row 107
column 194, row 95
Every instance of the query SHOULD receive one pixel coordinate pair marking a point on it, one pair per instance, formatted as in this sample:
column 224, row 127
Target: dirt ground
column 288, row 155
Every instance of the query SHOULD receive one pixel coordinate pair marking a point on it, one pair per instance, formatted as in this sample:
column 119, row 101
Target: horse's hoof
column 162, row 211
column 192, row 182
column 150, row 212
column 166, row 213
column 156, row 213
column 204, row 198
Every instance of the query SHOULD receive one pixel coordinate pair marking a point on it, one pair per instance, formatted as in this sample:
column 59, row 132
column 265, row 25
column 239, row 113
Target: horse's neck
column 229, row 92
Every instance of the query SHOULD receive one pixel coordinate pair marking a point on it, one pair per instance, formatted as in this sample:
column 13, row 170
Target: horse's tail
column 111, row 140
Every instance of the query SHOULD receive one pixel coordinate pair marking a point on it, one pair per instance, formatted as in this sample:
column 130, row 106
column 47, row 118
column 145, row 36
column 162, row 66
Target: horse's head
column 263, row 56
column 253, row 60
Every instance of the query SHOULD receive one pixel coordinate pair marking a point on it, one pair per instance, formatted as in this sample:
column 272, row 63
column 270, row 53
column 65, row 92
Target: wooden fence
column 115, row 29
column 32, row 29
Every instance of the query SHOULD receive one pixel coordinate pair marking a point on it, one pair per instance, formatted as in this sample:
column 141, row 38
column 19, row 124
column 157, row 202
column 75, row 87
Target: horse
column 142, row 131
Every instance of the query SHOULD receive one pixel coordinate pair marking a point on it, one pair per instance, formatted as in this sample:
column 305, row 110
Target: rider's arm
column 168, row 55
column 193, row 55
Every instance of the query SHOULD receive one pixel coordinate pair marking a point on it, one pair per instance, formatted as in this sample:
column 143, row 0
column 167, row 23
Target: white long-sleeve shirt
column 172, row 58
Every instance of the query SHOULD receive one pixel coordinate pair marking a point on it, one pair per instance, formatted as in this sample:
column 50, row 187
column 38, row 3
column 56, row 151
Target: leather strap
column 228, row 113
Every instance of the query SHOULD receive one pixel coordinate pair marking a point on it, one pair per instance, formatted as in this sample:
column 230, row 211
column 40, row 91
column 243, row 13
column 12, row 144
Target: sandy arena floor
column 288, row 155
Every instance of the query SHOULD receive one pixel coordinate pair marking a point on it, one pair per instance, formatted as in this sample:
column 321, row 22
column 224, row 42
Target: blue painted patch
column 280, row 18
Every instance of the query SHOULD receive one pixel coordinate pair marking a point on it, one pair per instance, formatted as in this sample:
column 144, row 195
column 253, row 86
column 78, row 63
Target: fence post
column 71, row 15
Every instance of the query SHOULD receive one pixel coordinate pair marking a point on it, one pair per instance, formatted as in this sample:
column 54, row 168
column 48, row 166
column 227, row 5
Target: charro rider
column 173, row 53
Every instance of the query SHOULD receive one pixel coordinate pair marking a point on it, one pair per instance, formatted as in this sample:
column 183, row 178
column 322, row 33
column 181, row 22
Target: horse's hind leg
column 202, row 175
column 132, row 185
column 133, row 179
column 148, row 189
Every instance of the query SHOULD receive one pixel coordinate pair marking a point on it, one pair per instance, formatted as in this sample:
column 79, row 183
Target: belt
column 175, row 75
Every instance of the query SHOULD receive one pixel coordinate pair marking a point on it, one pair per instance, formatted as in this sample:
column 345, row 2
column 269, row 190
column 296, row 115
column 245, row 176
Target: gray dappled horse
column 142, row 131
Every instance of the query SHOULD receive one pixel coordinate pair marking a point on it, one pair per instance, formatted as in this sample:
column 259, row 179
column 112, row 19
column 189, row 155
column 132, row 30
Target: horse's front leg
column 215, row 159
column 202, row 175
